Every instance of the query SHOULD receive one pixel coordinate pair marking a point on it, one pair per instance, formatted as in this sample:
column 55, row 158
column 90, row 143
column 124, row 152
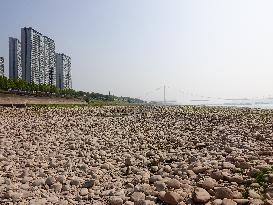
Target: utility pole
column 164, row 95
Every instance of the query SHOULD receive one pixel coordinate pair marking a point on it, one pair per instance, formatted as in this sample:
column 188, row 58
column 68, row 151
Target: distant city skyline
column 35, row 60
column 219, row 49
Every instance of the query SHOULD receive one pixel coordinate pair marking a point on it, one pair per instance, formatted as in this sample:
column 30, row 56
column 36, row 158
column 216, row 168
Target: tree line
column 19, row 86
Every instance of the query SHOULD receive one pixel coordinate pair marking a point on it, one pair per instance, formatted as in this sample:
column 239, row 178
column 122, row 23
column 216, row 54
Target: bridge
column 193, row 98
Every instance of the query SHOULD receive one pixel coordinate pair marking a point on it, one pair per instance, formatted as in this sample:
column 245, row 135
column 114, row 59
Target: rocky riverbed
column 136, row 155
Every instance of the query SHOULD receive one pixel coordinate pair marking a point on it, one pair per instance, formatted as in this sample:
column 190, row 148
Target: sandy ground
column 7, row 99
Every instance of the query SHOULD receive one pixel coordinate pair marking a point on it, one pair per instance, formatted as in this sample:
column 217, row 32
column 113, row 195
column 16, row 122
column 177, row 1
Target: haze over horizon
column 221, row 49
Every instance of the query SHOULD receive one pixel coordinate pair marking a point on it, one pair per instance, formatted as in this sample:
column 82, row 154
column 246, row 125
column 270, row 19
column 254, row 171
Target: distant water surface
column 261, row 106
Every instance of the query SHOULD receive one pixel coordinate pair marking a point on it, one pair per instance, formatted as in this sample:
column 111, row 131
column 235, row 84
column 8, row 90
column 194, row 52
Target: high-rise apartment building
column 63, row 71
column 32, row 46
column 2, row 66
column 15, row 63
column 49, row 61
column 38, row 57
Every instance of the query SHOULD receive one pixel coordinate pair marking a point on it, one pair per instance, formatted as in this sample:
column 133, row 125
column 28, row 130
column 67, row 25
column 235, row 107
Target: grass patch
column 100, row 103
column 245, row 194
column 261, row 177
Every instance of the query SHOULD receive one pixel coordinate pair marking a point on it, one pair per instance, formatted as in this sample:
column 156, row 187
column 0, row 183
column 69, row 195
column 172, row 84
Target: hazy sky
column 218, row 48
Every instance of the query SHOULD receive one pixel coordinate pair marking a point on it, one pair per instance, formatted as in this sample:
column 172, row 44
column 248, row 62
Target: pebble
column 200, row 195
column 217, row 175
column 171, row 198
column 57, row 187
column 223, row 192
column 199, row 169
column 173, row 183
column 75, row 182
column 217, row 202
column 89, row 183
column 114, row 200
column 228, row 165
column 137, row 196
column 209, row 183
column 228, row 202
column 160, row 186
column 155, row 178
column 241, row 201
column 50, row 181
column 83, row 191
column 253, row 194
column 38, row 182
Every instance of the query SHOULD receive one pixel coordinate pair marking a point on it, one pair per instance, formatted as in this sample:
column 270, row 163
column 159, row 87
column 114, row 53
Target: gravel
column 136, row 155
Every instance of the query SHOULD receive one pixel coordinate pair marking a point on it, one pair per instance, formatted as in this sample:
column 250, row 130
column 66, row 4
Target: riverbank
column 8, row 99
column 136, row 155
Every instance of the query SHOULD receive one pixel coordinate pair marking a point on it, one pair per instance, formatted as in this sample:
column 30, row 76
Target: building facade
column 15, row 63
column 2, row 66
column 63, row 71
column 49, row 72
column 32, row 46
column 38, row 57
